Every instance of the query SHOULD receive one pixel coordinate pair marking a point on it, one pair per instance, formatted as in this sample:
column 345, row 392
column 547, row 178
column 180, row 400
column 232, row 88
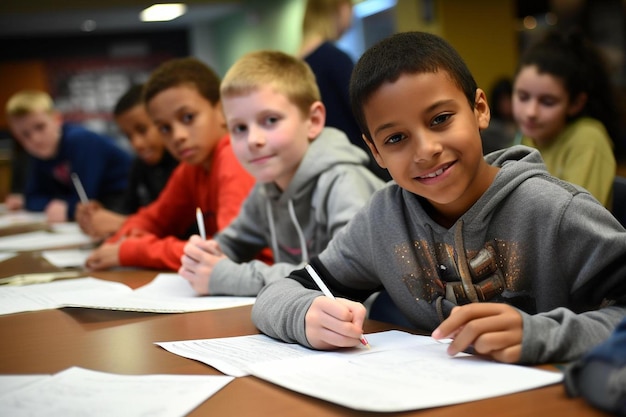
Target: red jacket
column 151, row 236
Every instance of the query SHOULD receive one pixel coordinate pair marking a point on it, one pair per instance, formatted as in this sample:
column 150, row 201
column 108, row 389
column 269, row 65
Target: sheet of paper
column 42, row 240
column 6, row 255
column 78, row 391
column 408, row 378
column 17, row 299
column 401, row 372
column 67, row 258
column 11, row 383
column 235, row 355
column 167, row 293
column 20, row 217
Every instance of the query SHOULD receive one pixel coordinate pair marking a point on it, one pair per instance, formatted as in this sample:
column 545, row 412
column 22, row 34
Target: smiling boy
column 494, row 253
column 149, row 173
column 310, row 180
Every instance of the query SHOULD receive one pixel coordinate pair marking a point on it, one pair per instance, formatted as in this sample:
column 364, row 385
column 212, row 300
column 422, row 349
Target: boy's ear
column 481, row 109
column 577, row 105
column 317, row 119
column 374, row 150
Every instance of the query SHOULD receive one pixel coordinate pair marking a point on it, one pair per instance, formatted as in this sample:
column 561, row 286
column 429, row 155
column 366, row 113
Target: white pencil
column 328, row 294
column 79, row 188
column 200, row 221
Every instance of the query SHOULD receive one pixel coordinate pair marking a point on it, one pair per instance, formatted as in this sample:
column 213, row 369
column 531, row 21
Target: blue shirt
column 102, row 166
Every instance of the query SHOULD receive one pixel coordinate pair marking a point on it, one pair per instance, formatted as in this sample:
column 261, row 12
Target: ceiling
column 20, row 18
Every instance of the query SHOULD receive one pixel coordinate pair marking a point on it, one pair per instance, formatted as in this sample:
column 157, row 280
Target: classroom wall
column 19, row 75
column 261, row 25
column 484, row 32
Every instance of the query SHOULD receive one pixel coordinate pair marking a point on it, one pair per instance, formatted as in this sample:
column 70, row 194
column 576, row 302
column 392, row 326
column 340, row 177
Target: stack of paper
column 401, row 372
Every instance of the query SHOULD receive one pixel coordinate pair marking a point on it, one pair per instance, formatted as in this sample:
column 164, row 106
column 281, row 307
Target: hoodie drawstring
column 270, row 218
column 294, row 220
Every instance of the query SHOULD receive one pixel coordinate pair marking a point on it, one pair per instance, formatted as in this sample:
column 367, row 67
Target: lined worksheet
column 400, row 372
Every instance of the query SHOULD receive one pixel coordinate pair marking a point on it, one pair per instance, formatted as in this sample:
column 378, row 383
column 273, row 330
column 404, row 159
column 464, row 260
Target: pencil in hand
column 80, row 190
column 329, row 294
column 200, row 221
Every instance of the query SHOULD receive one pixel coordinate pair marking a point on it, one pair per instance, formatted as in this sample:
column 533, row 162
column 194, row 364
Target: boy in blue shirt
column 492, row 252
column 59, row 149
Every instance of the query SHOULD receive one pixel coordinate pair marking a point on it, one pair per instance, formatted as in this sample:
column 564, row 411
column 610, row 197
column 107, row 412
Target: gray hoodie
column 535, row 242
column 331, row 184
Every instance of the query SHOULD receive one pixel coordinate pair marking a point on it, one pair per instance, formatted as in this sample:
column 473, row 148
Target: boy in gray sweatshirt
column 310, row 180
column 492, row 252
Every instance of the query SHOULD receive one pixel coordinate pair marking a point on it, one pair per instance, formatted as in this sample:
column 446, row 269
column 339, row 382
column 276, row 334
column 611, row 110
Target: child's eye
column 394, row 138
column 270, row 120
column 522, row 96
column 442, row 118
column 548, row 101
column 164, row 129
column 187, row 118
column 238, row 129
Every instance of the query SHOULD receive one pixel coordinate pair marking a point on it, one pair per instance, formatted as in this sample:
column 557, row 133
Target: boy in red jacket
column 182, row 98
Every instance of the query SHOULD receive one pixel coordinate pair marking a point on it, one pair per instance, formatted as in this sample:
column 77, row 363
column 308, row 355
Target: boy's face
column 142, row 134
column 190, row 125
column 427, row 136
column 541, row 105
column 38, row 132
column 269, row 133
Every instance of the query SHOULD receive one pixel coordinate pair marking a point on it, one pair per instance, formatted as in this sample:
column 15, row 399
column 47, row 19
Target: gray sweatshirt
column 535, row 242
column 331, row 184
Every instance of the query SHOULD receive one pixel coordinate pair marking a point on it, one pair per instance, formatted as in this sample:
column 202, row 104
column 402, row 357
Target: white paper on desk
column 67, row 258
column 6, row 255
column 41, row 240
column 400, row 372
column 166, row 293
column 21, row 217
column 17, row 299
column 78, row 391
column 400, row 379
column 235, row 355
column 11, row 383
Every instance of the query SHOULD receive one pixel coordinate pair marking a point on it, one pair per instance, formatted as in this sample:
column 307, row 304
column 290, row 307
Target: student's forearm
column 561, row 335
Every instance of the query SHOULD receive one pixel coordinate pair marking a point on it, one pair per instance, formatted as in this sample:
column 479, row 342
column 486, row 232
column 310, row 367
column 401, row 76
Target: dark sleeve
column 131, row 198
column 600, row 376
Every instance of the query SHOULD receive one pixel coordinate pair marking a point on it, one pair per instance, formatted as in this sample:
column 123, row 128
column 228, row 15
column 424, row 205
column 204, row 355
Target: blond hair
column 29, row 101
column 285, row 73
column 320, row 18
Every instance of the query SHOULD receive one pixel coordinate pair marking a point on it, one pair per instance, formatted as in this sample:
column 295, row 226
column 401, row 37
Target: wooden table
column 122, row 342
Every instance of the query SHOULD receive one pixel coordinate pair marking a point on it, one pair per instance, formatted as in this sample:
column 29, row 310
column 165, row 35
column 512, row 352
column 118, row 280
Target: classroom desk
column 122, row 342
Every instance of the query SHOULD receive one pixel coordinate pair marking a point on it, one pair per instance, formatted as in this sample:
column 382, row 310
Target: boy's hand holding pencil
column 334, row 323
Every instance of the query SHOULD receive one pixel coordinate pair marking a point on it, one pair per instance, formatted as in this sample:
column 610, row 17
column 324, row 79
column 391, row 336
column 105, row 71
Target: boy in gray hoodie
column 492, row 252
column 310, row 179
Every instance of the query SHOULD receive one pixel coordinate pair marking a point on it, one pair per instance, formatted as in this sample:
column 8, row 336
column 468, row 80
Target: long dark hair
column 583, row 69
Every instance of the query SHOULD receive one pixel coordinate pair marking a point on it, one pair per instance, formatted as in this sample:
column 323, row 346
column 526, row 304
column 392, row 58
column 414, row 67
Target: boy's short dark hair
column 131, row 98
column 405, row 53
column 183, row 71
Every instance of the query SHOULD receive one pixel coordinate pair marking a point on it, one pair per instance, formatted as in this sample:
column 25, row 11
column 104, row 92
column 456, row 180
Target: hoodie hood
column 332, row 147
column 291, row 212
